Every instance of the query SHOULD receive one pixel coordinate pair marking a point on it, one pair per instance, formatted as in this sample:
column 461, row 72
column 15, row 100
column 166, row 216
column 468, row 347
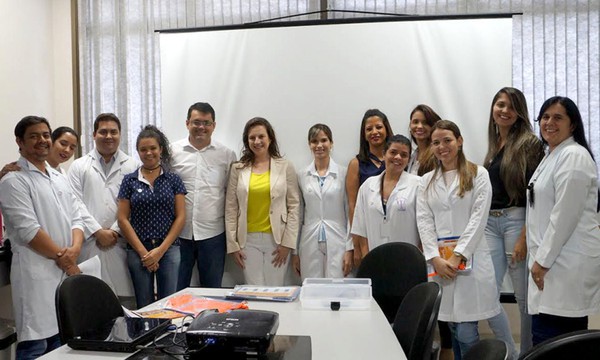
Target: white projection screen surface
column 297, row 76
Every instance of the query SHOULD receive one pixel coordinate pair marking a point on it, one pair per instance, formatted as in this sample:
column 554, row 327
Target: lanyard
column 383, row 201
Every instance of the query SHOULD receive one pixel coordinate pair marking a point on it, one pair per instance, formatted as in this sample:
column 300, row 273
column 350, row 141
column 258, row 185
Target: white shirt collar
column 143, row 179
column 333, row 169
column 209, row 146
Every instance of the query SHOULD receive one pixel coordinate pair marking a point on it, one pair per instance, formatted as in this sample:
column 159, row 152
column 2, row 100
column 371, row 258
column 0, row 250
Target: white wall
column 35, row 66
column 35, row 75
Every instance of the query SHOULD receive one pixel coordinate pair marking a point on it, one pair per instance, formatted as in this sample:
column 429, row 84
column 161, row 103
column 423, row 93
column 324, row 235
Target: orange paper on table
column 190, row 304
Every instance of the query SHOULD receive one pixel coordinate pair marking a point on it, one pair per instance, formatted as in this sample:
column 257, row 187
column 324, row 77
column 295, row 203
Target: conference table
column 344, row 334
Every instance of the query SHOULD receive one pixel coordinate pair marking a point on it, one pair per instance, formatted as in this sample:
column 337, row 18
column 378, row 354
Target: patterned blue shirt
column 152, row 209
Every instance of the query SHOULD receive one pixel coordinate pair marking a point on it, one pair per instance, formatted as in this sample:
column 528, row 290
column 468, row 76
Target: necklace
column 150, row 170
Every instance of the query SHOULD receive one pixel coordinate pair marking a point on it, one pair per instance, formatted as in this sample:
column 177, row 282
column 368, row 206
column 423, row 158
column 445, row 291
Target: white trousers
column 259, row 269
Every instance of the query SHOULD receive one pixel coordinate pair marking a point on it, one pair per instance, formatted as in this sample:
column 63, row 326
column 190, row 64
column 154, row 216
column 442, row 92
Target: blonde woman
column 453, row 202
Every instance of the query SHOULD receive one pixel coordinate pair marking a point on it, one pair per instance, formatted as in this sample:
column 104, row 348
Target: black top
column 500, row 198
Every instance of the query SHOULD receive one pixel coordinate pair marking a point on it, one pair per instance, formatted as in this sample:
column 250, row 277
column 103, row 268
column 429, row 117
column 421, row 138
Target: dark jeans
column 143, row 280
column 32, row 349
column 209, row 255
column 545, row 326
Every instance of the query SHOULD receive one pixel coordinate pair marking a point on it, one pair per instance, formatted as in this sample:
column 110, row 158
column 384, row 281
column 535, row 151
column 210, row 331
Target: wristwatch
column 456, row 253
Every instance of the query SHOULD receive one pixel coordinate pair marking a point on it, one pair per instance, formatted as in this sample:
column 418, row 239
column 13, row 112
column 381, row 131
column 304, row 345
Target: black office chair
column 394, row 269
column 487, row 349
column 84, row 302
column 583, row 344
column 416, row 318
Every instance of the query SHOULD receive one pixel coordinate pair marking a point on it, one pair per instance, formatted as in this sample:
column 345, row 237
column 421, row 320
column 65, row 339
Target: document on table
column 268, row 293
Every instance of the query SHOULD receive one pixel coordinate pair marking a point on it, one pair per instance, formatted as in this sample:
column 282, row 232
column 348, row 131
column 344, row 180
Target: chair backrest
column 416, row 318
column 84, row 302
column 487, row 349
column 394, row 268
column 583, row 344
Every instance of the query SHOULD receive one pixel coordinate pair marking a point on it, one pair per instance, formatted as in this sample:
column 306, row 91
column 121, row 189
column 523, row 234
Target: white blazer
column 284, row 212
column 98, row 193
column 563, row 234
column 442, row 213
column 324, row 207
column 398, row 223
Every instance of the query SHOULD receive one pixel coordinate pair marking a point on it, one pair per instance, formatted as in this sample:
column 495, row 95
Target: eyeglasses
column 205, row 123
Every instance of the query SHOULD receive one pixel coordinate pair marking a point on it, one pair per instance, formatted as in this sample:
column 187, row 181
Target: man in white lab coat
column 96, row 178
column 203, row 165
column 45, row 228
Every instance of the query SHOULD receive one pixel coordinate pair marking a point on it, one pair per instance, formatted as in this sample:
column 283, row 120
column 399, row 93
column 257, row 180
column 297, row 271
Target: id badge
column 385, row 228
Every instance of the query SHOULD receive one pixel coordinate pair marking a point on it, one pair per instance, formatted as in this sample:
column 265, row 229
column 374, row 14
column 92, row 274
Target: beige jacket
column 284, row 210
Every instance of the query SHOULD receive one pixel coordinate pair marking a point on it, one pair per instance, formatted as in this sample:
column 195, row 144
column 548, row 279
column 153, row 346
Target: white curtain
column 119, row 55
column 556, row 48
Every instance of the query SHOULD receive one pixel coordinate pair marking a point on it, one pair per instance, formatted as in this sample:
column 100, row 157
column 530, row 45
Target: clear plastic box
column 336, row 294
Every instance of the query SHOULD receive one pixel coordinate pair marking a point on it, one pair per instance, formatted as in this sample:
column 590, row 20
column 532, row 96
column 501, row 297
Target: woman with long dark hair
column 513, row 155
column 375, row 131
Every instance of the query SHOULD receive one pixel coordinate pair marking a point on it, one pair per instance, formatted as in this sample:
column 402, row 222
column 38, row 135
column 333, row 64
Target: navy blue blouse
column 152, row 210
column 366, row 169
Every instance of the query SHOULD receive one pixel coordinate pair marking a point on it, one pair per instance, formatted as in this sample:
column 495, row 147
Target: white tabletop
column 346, row 334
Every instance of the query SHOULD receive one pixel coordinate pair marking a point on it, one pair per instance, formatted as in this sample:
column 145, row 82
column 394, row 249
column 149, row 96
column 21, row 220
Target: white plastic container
column 336, row 294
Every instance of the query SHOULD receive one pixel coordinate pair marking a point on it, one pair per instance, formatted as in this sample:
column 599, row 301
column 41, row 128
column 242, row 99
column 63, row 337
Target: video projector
column 247, row 332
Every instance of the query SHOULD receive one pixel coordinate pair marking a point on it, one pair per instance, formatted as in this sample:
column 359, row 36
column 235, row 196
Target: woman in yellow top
column 262, row 207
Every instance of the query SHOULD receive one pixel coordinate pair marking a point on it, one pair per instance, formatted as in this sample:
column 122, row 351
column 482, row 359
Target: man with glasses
column 203, row 165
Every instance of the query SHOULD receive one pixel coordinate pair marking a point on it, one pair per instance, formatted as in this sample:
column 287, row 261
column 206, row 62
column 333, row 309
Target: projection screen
column 296, row 76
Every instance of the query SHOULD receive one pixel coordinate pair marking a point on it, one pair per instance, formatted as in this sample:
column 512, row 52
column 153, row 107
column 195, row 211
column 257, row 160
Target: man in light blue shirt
column 44, row 225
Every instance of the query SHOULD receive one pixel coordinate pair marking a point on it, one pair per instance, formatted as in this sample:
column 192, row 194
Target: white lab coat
column 563, row 234
column 398, row 223
column 33, row 201
column 325, row 207
column 441, row 213
column 98, row 193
